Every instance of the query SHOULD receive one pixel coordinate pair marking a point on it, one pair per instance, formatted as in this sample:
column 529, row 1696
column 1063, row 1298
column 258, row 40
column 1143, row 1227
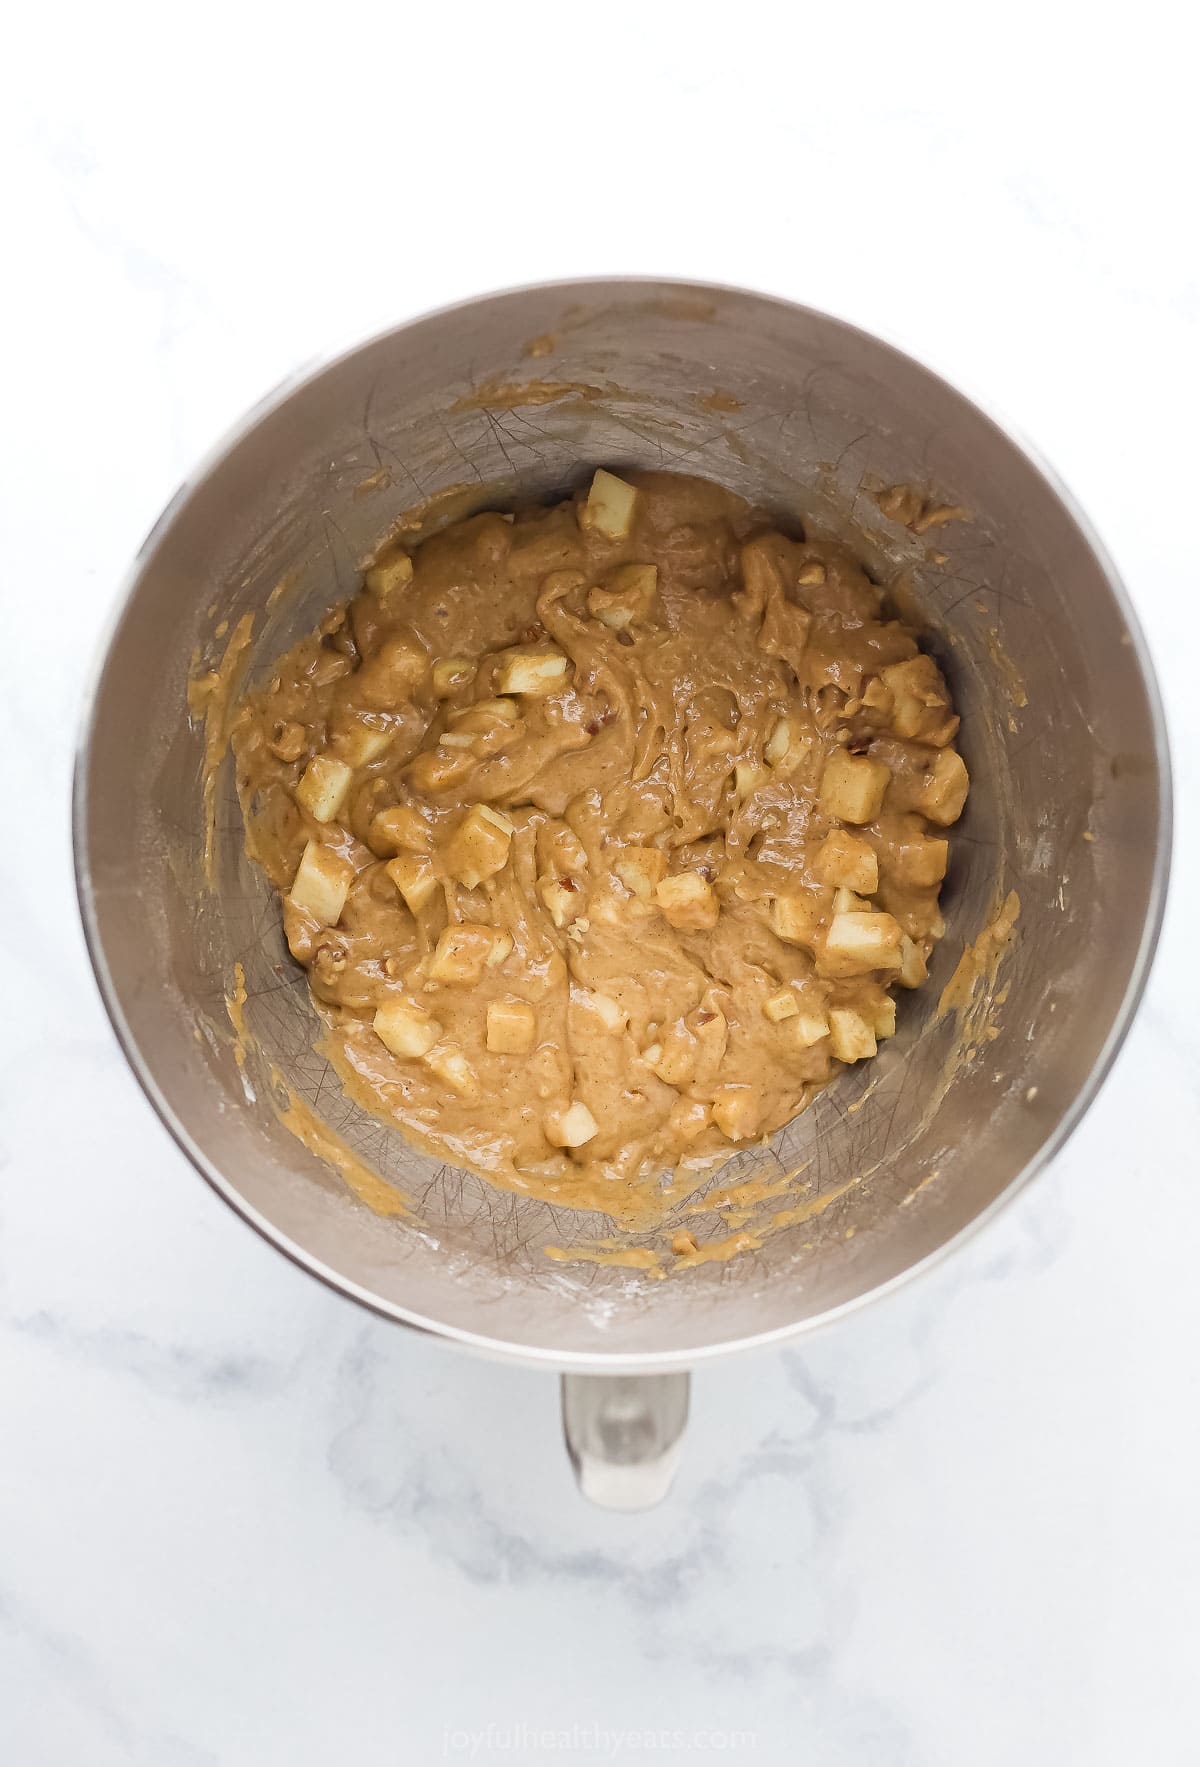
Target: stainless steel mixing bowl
column 512, row 397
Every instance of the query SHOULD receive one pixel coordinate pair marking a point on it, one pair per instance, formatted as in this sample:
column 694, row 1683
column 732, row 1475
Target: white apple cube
column 627, row 596
column 856, row 943
column 393, row 573
column 944, row 789
column 747, row 777
column 400, row 829
column 853, row 787
column 405, row 1029
column 415, row 878
column 779, row 743
column 360, row 744
column 913, row 968
column 810, row 1027
column 511, row 1027
column 323, row 787
column 794, row 919
column 479, row 846
column 322, row 883
column 780, row 1006
column 485, row 712
column 845, row 859
column 462, row 953
column 563, row 899
column 688, row 901
column 736, row 1111
column 640, row 869
column 610, row 505
column 689, row 1117
column 610, row 1012
column 532, row 671
column 922, row 861
column 850, row 1036
column 502, row 944
column 570, row 1127
column 453, row 1069
column 438, row 770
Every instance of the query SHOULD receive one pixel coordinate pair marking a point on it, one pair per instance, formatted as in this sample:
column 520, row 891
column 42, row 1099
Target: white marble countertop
column 243, row 1523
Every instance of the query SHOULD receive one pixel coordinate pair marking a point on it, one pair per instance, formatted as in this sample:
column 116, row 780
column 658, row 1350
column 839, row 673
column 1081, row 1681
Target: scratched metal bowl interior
column 1058, row 729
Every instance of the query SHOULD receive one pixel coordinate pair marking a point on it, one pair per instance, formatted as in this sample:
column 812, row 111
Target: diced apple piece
column 400, row 829
column 610, row 1012
column 502, row 944
column 532, row 671
column 360, row 744
column 511, row 1027
column 415, row 878
column 736, row 1111
column 688, row 901
column 913, row 968
column 846, row 902
column 405, row 1029
column 328, row 666
column 487, row 728
column 856, row 943
column 609, row 507
column 394, row 573
column 853, row 786
column 846, row 859
column 786, row 747
column 810, row 1027
column 885, row 1017
column 611, row 612
column 640, row 869
column 851, row 1037
column 920, row 701
column 322, row 883
column 323, row 787
column 689, row 1117
column 462, row 953
column 435, row 770
column 779, row 742
column 450, row 673
column 396, row 671
column 563, row 898
column 944, row 790
column 486, row 711
column 747, row 777
column 795, row 919
column 922, row 861
column 627, row 596
column 570, row 1127
column 781, row 1005
column 479, row 846
column 452, row 1067
column 560, row 852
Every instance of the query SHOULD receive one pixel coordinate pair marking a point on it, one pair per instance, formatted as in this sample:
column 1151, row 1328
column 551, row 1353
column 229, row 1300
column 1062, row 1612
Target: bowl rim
column 622, row 1362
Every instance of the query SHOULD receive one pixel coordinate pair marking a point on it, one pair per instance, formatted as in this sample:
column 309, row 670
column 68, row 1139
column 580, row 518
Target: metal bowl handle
column 625, row 1435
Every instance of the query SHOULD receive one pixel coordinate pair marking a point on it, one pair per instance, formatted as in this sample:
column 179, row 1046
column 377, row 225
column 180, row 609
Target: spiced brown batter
column 604, row 832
